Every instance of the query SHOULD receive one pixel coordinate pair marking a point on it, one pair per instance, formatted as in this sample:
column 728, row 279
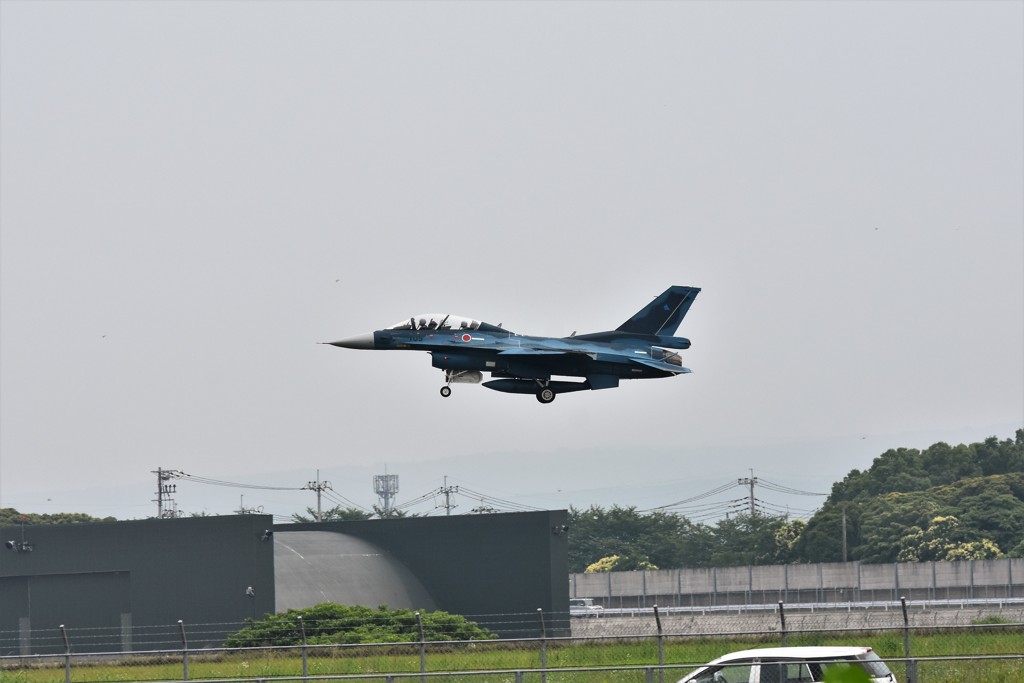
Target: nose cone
column 360, row 341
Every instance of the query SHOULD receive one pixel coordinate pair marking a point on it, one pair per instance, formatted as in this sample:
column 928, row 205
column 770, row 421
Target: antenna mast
column 386, row 487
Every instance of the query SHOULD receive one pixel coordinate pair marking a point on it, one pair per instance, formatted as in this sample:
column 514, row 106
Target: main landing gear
column 545, row 394
column 446, row 391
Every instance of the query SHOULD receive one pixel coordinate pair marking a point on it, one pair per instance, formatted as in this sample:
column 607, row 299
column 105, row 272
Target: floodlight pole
column 543, row 647
column 305, row 664
column 661, row 646
column 67, row 654
column 184, row 650
column 423, row 649
column 782, row 620
column 911, row 664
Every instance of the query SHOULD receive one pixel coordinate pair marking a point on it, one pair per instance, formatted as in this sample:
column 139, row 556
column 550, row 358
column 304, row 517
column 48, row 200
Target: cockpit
column 439, row 321
column 436, row 321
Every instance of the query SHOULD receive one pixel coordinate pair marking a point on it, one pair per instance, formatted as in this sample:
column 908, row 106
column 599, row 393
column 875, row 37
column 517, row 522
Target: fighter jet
column 465, row 348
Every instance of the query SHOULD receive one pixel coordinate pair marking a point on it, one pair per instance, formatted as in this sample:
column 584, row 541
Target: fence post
column 423, row 649
column 184, row 651
column 782, row 620
column 67, row 654
column 305, row 664
column 661, row 646
column 911, row 664
column 543, row 648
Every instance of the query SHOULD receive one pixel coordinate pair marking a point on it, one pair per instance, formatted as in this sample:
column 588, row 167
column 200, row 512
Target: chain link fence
column 641, row 646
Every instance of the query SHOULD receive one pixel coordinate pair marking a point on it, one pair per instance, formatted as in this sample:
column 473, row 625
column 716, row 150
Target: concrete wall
column 801, row 583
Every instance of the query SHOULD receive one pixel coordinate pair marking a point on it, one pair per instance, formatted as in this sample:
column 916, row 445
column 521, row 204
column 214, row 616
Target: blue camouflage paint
column 640, row 348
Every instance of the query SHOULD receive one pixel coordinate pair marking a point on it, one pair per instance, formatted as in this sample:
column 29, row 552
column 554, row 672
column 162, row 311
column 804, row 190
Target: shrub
column 329, row 623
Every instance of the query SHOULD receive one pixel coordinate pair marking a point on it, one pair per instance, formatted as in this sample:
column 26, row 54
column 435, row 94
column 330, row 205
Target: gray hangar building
column 123, row 586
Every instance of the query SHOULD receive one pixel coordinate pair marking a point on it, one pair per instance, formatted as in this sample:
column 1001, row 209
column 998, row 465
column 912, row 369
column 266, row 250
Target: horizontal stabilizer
column 662, row 365
column 663, row 315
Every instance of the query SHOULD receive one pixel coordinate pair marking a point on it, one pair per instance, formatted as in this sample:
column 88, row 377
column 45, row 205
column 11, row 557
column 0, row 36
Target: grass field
column 616, row 662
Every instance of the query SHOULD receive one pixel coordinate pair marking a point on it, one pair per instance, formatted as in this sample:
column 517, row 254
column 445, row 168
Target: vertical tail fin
column 663, row 315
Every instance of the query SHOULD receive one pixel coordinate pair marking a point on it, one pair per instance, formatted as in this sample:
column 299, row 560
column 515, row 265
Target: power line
column 786, row 489
column 340, row 500
column 699, row 496
column 231, row 484
column 697, row 508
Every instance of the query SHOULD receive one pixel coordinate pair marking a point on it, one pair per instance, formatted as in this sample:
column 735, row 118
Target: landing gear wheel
column 546, row 395
column 446, row 391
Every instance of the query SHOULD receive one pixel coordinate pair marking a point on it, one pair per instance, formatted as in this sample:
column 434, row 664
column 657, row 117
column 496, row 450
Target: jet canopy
column 438, row 321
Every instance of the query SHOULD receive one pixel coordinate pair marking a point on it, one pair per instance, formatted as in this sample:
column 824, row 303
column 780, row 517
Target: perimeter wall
column 804, row 583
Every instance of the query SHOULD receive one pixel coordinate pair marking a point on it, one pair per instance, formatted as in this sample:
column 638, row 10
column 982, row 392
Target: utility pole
column 844, row 533
column 319, row 487
column 242, row 510
column 164, row 491
column 448, row 491
column 750, row 481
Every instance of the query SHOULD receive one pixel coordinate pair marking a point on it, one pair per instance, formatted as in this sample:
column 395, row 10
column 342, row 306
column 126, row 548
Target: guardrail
column 849, row 606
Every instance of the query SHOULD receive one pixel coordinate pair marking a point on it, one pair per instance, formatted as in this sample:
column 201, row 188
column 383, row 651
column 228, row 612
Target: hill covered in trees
column 942, row 503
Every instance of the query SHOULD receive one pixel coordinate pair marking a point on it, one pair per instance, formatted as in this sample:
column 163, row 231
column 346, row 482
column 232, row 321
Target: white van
column 789, row 665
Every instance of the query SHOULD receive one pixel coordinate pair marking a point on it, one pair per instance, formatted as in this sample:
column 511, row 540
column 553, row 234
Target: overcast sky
column 192, row 195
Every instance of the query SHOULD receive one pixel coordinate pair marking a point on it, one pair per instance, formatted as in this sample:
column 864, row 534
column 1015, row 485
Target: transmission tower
column 386, row 487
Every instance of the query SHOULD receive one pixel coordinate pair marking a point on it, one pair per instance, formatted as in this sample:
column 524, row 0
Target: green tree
column 390, row 514
column 946, row 464
column 619, row 563
column 885, row 520
column 822, row 538
column 11, row 517
column 334, row 514
column 1000, row 457
column 944, row 539
column 746, row 539
column 995, row 515
column 787, row 536
column 595, row 533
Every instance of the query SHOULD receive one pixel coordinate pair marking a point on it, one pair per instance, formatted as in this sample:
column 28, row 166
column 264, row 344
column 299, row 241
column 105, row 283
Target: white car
column 584, row 607
column 788, row 665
